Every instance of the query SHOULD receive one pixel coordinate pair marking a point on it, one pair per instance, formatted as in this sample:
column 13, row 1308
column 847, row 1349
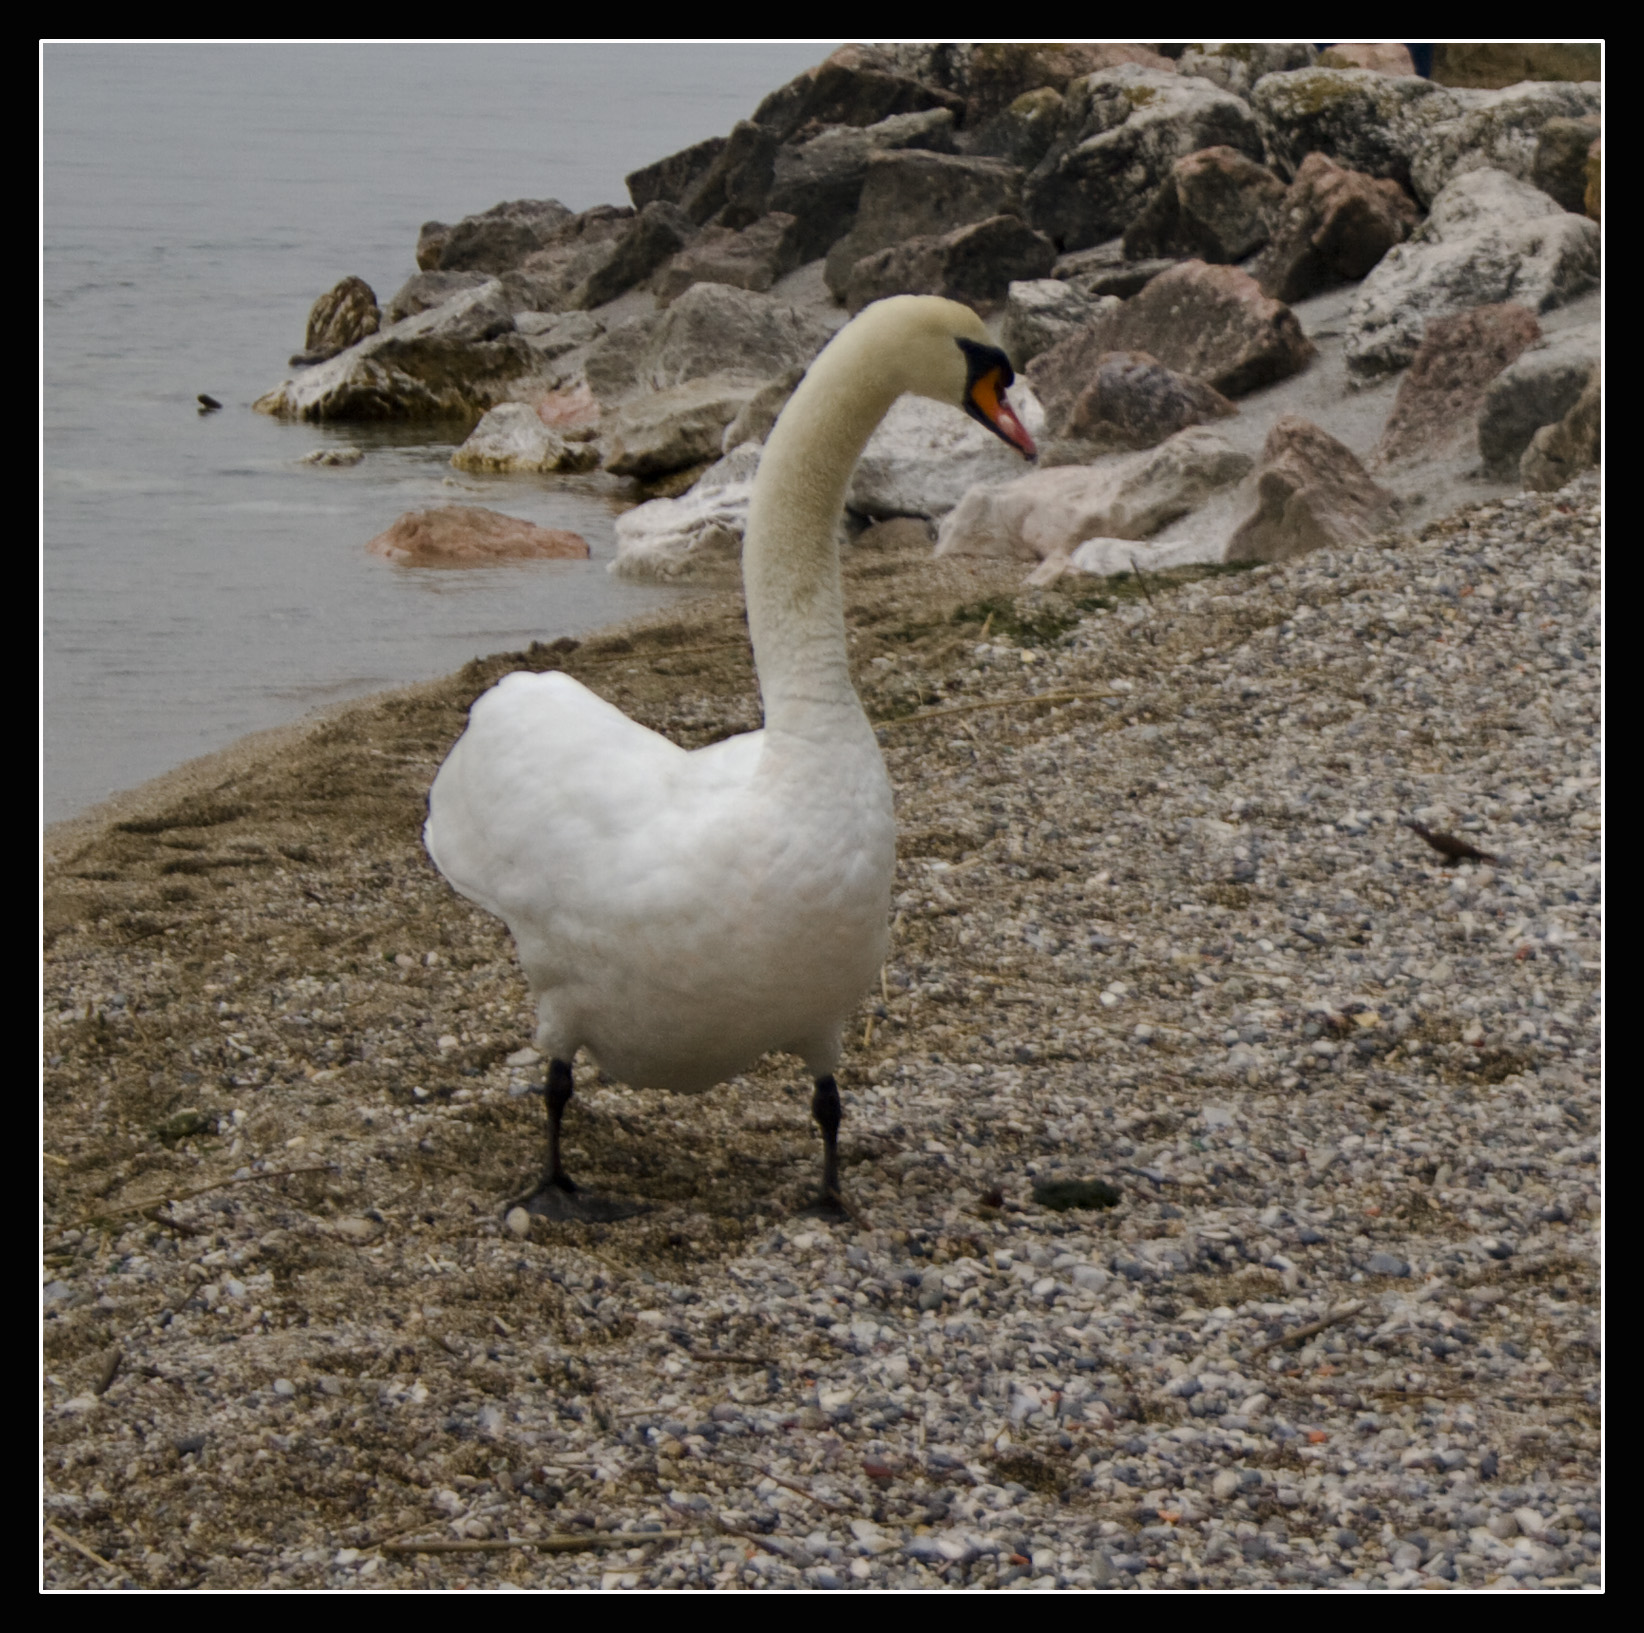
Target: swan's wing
column 547, row 786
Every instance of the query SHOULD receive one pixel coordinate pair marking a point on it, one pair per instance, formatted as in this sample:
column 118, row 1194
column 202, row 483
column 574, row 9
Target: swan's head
column 942, row 351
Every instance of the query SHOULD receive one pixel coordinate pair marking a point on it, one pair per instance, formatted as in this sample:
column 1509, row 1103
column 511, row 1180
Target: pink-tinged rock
column 570, row 409
column 1311, row 491
column 1332, row 227
column 471, row 536
column 1380, row 57
column 1212, row 322
column 1440, row 397
column 1116, row 400
column 1217, row 204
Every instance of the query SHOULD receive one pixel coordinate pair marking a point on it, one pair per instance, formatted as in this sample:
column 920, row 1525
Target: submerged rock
column 512, row 437
column 470, row 536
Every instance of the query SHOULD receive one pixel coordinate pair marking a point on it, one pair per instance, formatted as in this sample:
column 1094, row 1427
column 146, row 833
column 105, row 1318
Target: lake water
column 199, row 581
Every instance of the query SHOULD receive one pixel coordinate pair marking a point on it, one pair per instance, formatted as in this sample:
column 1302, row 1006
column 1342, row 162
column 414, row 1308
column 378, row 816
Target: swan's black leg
column 825, row 1108
column 559, row 1196
column 560, row 1090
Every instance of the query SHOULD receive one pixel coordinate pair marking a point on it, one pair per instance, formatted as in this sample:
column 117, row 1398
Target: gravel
column 1175, row 937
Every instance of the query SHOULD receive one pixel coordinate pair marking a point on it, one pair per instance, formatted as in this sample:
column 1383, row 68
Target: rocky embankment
column 1184, row 254
column 1222, row 1139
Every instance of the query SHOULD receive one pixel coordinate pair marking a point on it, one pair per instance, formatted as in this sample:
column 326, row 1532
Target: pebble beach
column 1222, row 1153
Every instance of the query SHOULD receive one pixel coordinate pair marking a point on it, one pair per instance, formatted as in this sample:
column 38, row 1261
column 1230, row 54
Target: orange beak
column 990, row 407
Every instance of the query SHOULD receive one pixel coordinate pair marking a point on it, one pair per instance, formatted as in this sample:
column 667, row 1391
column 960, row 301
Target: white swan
column 681, row 913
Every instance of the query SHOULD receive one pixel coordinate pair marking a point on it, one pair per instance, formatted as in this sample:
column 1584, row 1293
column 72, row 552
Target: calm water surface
column 200, row 582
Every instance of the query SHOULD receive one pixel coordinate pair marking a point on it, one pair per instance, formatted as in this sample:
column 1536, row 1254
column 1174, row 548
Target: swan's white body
column 682, row 913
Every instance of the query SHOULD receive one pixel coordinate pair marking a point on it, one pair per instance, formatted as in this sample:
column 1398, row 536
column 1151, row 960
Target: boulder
column 1495, row 65
column 924, row 457
column 1333, row 226
column 1102, row 271
column 1538, row 388
column 837, row 93
column 340, row 318
column 820, row 181
column 555, row 277
column 696, row 538
column 501, row 237
column 914, row 194
column 426, row 290
column 512, row 437
column 431, row 245
column 1048, row 513
column 1559, row 168
column 1216, row 204
column 1440, row 396
column 1106, row 558
column 453, row 361
column 754, row 420
column 1488, row 238
column 656, row 234
column 1380, row 57
column 1122, row 131
column 1212, row 322
column 1494, row 130
column 710, row 329
column 974, row 264
column 471, row 536
column 1040, row 313
column 1311, row 491
column 1237, row 65
column 1365, row 121
column 553, row 334
column 1594, row 195
column 753, row 258
column 1103, row 402
column 671, row 179
column 1558, row 453
column 1001, row 72
column 1022, row 133
column 656, row 432
column 732, row 191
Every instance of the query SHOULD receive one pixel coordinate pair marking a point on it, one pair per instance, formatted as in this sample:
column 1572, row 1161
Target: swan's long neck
column 790, row 561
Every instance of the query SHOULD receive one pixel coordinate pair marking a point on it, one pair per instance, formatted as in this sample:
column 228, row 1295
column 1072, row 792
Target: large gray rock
column 554, row 334
column 553, row 278
column 1488, row 238
column 656, row 432
column 671, row 179
column 837, row 93
column 1332, row 227
column 1538, row 388
column 431, row 245
column 342, row 317
column 819, row 182
column 656, row 234
column 501, row 237
column 1212, row 322
column 1237, row 65
column 1023, row 132
column 924, row 457
column 696, row 538
column 1495, row 130
column 753, row 258
column 754, row 420
column 1311, row 491
column 1560, row 165
column 1129, row 400
column 454, row 361
column 975, row 264
column 710, row 329
column 1000, row 73
column 512, row 438
column 1215, row 204
column 1375, row 123
column 1558, row 453
column 733, row 190
column 914, row 194
column 1048, row 513
column 425, row 290
column 1123, row 130
column 1042, row 312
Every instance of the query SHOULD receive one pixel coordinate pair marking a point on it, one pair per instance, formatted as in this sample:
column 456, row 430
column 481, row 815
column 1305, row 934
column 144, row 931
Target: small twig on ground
column 1346, row 1313
column 1141, row 578
column 997, row 703
column 568, row 1542
column 1448, row 846
column 80, row 1547
column 202, row 1190
column 792, row 1485
column 773, row 1545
